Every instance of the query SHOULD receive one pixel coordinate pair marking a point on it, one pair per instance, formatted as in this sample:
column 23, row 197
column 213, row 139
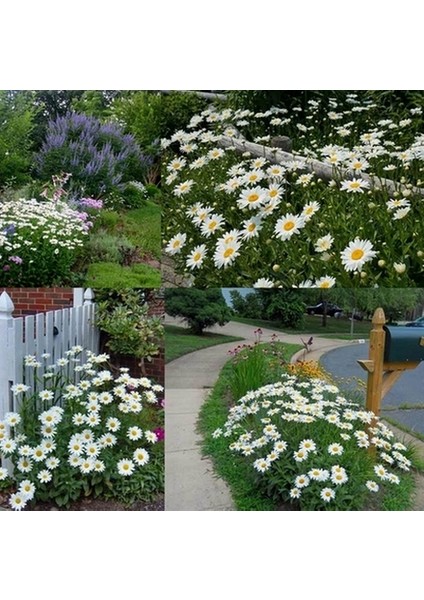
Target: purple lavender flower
column 16, row 259
column 91, row 203
column 100, row 155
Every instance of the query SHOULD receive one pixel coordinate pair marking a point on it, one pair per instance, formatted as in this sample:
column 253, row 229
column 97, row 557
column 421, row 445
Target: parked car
column 417, row 323
column 332, row 309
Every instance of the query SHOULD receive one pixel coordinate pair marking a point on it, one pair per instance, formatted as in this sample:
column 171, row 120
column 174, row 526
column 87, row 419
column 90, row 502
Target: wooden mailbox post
column 382, row 375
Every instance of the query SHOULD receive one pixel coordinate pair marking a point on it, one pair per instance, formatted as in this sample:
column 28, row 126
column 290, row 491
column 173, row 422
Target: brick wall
column 29, row 301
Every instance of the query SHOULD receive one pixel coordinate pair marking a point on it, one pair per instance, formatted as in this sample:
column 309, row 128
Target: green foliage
column 112, row 275
column 130, row 330
column 249, row 372
column 249, row 306
column 16, row 125
column 285, row 307
column 107, row 219
column 200, row 309
column 257, row 365
column 104, row 247
column 150, row 116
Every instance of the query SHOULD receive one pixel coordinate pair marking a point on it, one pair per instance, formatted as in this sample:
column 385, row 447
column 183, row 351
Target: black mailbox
column 404, row 344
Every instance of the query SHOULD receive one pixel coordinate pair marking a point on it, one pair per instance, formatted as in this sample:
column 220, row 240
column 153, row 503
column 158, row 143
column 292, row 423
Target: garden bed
column 255, row 485
column 89, row 504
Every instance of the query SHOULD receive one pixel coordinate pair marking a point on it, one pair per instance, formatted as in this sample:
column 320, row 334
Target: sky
column 226, row 293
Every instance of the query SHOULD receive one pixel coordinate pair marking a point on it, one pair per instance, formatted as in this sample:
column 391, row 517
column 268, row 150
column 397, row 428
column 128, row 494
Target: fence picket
column 35, row 335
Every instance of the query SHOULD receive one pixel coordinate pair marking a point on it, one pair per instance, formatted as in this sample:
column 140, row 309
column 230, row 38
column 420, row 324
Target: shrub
column 17, row 122
column 310, row 445
column 100, row 156
column 105, row 247
column 83, row 437
column 131, row 331
column 199, row 308
column 150, row 116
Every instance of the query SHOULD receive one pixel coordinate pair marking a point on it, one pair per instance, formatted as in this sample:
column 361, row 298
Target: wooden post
column 376, row 355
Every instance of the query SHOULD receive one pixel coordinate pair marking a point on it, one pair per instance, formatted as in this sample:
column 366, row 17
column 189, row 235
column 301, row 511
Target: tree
column 200, row 309
column 249, row 306
column 285, row 306
column 17, row 116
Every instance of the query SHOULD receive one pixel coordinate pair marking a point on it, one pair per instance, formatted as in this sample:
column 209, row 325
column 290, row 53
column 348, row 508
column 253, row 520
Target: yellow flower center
column 176, row 244
column 253, row 198
column 229, row 252
column 355, row 185
column 251, row 227
column 272, row 193
column 197, row 256
column 212, row 225
column 288, row 226
column 357, row 254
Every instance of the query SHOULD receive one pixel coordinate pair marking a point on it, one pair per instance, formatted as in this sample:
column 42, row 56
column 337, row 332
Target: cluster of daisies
column 224, row 209
column 98, row 429
column 27, row 226
column 308, row 436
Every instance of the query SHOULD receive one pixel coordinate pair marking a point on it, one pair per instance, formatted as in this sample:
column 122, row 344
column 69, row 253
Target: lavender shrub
column 100, row 156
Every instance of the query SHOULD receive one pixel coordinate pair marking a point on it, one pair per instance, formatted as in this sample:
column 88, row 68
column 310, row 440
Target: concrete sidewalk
column 190, row 480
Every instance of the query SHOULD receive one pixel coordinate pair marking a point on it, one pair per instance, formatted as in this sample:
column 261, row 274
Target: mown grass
column 142, row 226
column 242, row 479
column 180, row 341
column 335, row 328
column 113, row 275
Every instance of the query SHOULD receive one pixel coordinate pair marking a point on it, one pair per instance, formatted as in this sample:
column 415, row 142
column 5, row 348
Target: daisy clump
column 95, row 435
column 310, row 445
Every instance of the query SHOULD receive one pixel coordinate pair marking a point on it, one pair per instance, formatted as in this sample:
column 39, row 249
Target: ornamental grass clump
column 311, row 446
column 97, row 435
column 237, row 213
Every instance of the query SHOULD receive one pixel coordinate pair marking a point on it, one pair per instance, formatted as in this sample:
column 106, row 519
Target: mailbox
column 404, row 344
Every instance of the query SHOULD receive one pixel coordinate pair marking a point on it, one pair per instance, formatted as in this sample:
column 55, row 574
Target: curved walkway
column 190, row 480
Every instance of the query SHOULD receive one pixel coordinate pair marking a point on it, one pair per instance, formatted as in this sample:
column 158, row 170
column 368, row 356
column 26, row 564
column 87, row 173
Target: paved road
column 408, row 390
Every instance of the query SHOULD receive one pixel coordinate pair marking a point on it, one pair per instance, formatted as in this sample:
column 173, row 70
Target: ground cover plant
column 299, row 444
column 341, row 204
column 96, row 435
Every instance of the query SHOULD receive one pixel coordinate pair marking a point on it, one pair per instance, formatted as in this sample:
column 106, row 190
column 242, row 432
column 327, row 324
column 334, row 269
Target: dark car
column 332, row 309
column 417, row 323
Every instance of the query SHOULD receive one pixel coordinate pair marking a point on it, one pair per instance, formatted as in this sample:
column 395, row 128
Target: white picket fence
column 54, row 333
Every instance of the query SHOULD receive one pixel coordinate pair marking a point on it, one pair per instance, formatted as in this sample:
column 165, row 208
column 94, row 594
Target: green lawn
column 180, row 341
column 142, row 227
column 336, row 328
column 112, row 275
